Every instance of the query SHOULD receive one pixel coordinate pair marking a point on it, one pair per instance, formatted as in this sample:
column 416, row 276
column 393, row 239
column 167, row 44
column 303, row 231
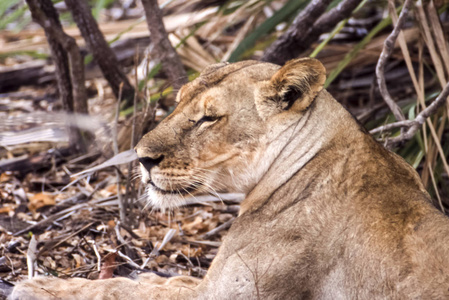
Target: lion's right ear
column 293, row 87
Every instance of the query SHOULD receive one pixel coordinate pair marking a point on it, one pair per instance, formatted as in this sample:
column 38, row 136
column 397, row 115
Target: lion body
column 329, row 213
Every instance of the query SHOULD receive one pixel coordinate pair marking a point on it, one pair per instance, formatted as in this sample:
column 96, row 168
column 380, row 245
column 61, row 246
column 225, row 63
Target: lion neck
column 290, row 149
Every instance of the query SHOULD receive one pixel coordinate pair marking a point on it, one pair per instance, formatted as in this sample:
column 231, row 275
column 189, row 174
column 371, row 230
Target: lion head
column 223, row 133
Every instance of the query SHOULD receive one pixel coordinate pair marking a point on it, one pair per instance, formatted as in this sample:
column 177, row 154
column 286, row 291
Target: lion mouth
column 183, row 190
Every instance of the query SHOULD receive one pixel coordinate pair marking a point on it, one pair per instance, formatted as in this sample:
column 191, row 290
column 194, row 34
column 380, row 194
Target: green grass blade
column 289, row 9
column 31, row 53
column 5, row 5
column 99, row 6
column 12, row 16
column 336, row 30
column 351, row 55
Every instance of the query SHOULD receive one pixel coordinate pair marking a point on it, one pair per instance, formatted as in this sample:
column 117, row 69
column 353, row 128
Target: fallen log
column 38, row 72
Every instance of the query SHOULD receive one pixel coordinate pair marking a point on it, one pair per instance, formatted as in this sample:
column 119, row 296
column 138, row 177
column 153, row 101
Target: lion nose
column 150, row 162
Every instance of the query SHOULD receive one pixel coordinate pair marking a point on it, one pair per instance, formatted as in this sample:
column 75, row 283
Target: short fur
column 329, row 213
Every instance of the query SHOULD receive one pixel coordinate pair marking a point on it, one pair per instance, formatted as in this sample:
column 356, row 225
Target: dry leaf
column 188, row 251
column 108, row 266
column 5, row 177
column 143, row 231
column 40, row 200
column 111, row 225
column 162, row 259
column 6, row 209
column 195, row 226
column 79, row 261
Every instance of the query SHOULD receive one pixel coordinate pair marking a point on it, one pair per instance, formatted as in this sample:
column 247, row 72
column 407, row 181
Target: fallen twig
column 66, row 213
column 217, row 229
column 55, row 242
column 31, row 256
column 97, row 254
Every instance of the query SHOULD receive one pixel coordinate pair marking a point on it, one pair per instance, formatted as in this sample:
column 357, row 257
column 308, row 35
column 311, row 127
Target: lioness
column 329, row 213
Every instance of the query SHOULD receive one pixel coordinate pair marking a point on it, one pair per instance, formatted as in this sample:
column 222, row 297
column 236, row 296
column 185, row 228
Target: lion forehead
column 212, row 76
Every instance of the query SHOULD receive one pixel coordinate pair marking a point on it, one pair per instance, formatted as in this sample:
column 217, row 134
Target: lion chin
column 329, row 213
column 164, row 202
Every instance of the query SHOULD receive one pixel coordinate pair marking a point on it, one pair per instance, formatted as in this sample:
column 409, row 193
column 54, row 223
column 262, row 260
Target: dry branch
column 306, row 29
column 161, row 49
column 386, row 52
column 283, row 46
column 414, row 125
column 28, row 73
column 100, row 49
column 387, row 127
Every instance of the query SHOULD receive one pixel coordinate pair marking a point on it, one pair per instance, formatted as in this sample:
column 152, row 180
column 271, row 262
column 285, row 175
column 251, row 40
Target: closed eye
column 207, row 119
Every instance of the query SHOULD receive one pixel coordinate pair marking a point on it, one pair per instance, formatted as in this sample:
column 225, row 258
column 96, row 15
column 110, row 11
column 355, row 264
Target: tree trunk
column 69, row 66
column 161, row 48
column 100, row 50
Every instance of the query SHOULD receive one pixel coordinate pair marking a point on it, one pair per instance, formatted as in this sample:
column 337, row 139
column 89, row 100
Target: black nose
column 149, row 162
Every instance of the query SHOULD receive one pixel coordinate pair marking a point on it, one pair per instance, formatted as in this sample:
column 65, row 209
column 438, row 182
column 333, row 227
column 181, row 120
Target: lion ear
column 295, row 85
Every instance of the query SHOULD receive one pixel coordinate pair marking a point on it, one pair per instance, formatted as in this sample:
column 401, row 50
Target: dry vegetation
column 88, row 225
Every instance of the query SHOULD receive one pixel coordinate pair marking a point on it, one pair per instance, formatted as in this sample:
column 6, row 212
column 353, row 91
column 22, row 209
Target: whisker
column 198, row 201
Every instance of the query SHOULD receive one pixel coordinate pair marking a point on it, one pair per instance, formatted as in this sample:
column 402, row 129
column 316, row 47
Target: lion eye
column 207, row 119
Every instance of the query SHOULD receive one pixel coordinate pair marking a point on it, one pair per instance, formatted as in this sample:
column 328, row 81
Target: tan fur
column 329, row 213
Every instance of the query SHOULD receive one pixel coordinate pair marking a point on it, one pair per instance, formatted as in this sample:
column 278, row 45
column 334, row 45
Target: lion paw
column 146, row 286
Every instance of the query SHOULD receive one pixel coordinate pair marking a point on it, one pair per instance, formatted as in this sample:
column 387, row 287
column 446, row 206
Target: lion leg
column 147, row 286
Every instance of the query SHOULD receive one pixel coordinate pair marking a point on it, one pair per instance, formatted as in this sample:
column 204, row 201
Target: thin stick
column 97, row 254
column 31, row 256
column 122, row 203
column 217, row 229
column 414, row 125
column 386, row 52
column 400, row 124
column 422, row 116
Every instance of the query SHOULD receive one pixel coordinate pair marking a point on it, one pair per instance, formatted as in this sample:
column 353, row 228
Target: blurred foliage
column 13, row 11
column 99, row 5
